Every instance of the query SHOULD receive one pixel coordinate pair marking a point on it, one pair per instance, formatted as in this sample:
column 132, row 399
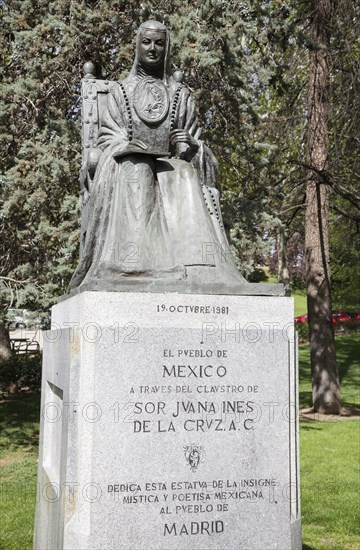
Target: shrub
column 303, row 332
column 21, row 372
column 352, row 326
column 347, row 327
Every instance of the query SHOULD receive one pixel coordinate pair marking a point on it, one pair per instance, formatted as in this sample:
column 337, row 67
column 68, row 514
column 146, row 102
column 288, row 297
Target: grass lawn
column 348, row 354
column 329, row 465
column 300, row 303
column 19, row 429
column 330, row 485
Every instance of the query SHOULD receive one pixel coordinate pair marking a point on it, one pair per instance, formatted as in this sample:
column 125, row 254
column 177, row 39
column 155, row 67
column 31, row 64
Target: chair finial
column 89, row 70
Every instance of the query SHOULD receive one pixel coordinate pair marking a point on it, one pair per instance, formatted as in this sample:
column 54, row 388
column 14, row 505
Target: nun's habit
column 153, row 219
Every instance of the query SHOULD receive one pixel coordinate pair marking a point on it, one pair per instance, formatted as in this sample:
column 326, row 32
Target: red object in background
column 337, row 316
column 301, row 319
column 354, row 315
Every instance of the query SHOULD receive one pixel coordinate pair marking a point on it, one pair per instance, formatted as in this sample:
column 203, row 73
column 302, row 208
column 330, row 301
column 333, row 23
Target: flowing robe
column 152, row 218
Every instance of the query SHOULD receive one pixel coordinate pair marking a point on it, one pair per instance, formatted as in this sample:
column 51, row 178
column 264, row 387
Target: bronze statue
column 152, row 217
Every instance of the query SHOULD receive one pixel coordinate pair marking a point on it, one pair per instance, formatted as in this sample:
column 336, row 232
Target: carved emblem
column 151, row 100
column 194, row 455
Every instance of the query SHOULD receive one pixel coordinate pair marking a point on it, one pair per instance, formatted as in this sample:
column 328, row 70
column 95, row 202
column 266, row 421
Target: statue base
column 169, row 421
column 179, row 287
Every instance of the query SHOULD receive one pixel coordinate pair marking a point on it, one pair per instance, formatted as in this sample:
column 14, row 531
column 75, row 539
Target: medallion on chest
column 151, row 100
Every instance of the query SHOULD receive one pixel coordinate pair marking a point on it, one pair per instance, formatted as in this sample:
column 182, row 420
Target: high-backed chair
column 94, row 97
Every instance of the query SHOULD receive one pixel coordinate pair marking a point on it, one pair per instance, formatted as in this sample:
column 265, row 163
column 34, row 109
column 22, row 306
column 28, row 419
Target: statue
column 153, row 219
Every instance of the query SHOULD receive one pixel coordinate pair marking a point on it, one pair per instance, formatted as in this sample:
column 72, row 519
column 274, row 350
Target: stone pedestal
column 169, row 421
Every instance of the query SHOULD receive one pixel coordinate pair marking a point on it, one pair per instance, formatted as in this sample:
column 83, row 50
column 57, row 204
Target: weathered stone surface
column 146, row 451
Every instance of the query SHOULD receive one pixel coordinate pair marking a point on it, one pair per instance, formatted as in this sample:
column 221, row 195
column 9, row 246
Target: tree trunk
column 325, row 378
column 5, row 348
column 283, row 270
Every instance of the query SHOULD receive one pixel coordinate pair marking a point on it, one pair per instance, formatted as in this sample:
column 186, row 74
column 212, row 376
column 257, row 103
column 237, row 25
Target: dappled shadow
column 307, row 547
column 305, row 399
column 19, row 418
column 347, row 352
column 347, row 349
column 305, row 396
column 309, row 425
column 350, row 412
column 347, row 413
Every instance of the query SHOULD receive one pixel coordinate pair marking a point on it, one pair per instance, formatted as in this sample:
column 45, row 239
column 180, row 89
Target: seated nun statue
column 154, row 220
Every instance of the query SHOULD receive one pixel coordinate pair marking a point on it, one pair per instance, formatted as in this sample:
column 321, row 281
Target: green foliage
column 21, row 372
column 257, row 276
column 345, row 254
column 247, row 65
column 228, row 56
column 45, row 45
column 352, row 326
column 303, row 332
column 295, row 260
column 343, row 157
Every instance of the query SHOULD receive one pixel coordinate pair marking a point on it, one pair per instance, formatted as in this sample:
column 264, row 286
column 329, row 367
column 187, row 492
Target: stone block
column 169, row 421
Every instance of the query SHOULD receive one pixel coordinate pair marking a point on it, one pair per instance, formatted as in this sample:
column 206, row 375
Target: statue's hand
column 183, row 136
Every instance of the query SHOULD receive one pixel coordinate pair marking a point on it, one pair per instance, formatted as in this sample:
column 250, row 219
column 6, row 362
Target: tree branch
column 354, row 217
column 328, row 180
column 296, row 207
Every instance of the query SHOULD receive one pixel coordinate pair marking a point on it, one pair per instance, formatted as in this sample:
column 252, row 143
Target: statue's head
column 152, row 44
column 152, row 50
